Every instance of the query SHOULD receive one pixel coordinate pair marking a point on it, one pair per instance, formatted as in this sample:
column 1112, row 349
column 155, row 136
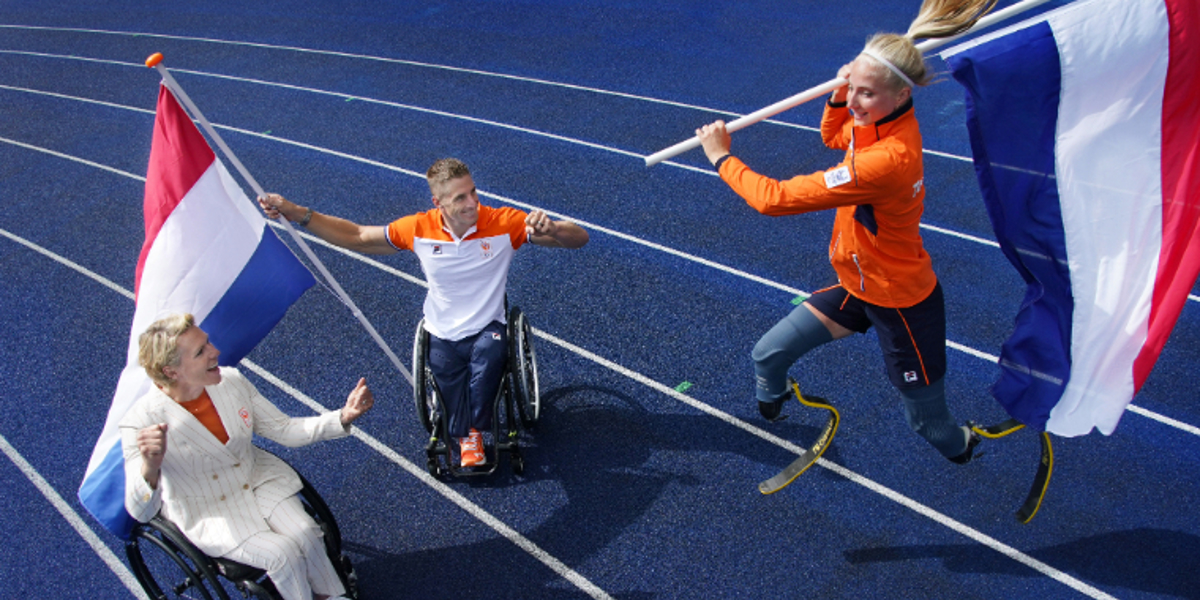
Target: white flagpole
column 155, row 61
column 833, row 84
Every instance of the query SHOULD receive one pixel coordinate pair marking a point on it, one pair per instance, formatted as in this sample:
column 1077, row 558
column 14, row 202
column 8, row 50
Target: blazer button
column 236, row 465
column 245, row 486
column 146, row 498
column 214, row 475
column 222, row 497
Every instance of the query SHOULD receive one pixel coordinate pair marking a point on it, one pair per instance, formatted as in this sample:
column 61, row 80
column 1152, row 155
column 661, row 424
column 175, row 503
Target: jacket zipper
column 862, row 279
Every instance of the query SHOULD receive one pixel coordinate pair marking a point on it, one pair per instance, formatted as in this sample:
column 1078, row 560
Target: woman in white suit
column 230, row 498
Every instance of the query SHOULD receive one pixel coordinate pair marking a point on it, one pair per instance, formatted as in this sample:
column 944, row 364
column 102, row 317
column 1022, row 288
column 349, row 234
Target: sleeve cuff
column 721, row 161
column 833, row 104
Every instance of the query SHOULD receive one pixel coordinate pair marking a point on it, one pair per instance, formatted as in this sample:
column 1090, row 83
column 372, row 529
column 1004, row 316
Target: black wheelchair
column 168, row 565
column 516, row 407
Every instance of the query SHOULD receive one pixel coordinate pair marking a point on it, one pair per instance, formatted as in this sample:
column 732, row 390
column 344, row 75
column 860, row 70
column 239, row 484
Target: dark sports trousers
column 468, row 374
column 914, row 347
column 913, row 339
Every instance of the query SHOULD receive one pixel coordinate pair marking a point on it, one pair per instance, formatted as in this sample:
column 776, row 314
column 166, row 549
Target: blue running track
column 632, row 490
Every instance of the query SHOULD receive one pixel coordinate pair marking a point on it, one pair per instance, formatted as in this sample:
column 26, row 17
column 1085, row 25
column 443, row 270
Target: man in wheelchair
column 465, row 250
column 188, row 453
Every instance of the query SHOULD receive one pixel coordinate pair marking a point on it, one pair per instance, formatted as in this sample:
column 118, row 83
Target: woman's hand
column 839, row 95
column 152, row 443
column 715, row 140
column 360, row 401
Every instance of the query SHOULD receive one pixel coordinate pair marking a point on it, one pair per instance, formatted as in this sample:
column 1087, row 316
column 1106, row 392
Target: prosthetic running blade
column 810, row 455
column 1041, row 480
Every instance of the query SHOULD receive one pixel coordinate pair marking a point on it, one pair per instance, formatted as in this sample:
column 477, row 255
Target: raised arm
column 367, row 239
column 544, row 231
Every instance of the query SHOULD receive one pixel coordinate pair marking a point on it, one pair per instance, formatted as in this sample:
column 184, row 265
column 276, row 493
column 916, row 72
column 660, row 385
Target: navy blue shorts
column 913, row 339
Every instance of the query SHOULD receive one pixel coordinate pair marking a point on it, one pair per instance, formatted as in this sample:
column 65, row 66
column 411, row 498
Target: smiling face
column 869, row 96
column 459, row 203
column 197, row 366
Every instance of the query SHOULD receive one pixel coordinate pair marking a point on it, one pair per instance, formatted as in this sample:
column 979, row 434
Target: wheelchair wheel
column 424, row 392
column 169, row 566
column 523, row 367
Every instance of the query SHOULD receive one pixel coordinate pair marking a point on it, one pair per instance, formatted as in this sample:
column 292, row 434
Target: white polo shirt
column 467, row 276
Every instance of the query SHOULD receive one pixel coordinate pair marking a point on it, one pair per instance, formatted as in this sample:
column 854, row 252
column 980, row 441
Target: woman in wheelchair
column 188, row 453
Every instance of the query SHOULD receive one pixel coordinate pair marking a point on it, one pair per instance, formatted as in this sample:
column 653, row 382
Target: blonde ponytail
column 936, row 19
column 944, row 18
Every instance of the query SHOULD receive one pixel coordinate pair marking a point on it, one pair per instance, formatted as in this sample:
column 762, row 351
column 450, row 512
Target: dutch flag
column 1085, row 129
column 207, row 252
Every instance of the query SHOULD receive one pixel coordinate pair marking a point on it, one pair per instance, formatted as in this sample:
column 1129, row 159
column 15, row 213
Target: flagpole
column 155, row 62
column 833, row 84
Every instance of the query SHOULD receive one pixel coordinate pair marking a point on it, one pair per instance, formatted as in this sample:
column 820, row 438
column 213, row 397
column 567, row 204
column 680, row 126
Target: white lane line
column 344, row 96
column 578, row 580
column 412, row 63
column 730, row 270
column 870, row 484
column 446, row 491
column 114, row 564
column 473, row 509
column 1192, row 429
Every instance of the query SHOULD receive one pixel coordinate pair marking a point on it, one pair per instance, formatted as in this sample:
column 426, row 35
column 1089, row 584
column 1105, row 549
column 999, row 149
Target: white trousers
column 292, row 554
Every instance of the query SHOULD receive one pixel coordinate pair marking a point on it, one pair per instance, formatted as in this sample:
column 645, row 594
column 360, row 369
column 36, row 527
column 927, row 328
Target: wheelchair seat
column 168, row 565
column 516, row 408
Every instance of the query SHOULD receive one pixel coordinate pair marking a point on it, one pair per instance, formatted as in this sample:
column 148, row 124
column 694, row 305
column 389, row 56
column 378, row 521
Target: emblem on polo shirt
column 437, row 248
column 486, row 250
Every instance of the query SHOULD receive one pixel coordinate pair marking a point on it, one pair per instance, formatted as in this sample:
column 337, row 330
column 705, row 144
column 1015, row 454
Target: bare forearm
column 335, row 230
column 565, row 235
column 347, row 234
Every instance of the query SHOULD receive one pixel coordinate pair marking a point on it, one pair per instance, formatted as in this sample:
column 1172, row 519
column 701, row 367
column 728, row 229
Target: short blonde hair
column 444, row 170
column 936, row 19
column 158, row 346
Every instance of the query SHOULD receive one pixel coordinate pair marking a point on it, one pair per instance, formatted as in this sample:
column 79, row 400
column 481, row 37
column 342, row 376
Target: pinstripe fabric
column 292, row 554
column 218, row 494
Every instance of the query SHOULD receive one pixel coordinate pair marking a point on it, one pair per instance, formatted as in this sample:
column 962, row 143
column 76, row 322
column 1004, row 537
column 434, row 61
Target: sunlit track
column 709, row 172
column 466, row 118
column 726, row 269
column 640, row 481
column 446, row 491
column 77, row 523
column 412, row 63
column 516, row 538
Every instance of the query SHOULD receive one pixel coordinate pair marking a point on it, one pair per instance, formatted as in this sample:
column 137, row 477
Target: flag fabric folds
column 207, row 252
column 1086, row 140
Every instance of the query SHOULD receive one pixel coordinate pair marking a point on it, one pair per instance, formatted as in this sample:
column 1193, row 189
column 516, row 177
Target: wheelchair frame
column 197, row 575
column 519, row 395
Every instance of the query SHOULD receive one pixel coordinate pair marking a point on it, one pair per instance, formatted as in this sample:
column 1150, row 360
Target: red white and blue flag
column 1085, row 129
column 208, row 252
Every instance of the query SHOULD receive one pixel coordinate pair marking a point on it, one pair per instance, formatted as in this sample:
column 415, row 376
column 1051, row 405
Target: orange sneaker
column 471, row 449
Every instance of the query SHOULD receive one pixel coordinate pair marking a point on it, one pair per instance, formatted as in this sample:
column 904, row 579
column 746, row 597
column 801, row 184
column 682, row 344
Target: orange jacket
column 879, row 194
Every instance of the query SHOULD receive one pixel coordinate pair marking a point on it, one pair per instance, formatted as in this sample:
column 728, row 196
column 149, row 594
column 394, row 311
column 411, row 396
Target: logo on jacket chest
column 245, row 415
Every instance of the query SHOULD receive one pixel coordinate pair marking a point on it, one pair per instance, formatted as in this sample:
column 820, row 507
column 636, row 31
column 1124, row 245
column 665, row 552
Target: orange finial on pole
column 154, row 59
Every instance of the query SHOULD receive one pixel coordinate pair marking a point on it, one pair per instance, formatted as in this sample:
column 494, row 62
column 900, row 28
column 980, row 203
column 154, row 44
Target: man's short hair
column 444, row 170
column 158, row 346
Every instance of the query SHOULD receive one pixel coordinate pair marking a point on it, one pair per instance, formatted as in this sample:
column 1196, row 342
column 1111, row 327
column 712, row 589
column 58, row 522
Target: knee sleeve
column 781, row 347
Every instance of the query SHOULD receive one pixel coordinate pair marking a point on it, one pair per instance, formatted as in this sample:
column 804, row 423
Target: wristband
column 307, row 217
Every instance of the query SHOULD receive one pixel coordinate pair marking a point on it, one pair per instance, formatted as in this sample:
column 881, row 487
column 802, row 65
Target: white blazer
column 218, row 494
